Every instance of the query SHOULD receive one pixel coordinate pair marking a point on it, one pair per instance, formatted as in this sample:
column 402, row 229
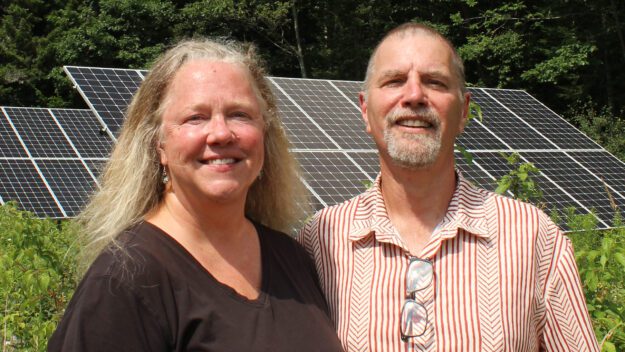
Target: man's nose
column 414, row 93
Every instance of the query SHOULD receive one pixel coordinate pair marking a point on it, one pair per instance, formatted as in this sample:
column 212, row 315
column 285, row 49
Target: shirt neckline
column 260, row 301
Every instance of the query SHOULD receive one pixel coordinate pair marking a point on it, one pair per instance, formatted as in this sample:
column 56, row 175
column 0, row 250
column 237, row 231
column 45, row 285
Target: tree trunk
column 606, row 67
column 619, row 33
column 300, row 54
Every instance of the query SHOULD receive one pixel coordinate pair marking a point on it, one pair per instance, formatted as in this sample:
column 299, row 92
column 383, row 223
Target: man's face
column 414, row 108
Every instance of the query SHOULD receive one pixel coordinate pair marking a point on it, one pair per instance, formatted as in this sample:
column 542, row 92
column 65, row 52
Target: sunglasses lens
column 414, row 318
column 419, row 276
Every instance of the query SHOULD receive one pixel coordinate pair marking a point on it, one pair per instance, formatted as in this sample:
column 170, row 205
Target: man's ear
column 464, row 119
column 362, row 99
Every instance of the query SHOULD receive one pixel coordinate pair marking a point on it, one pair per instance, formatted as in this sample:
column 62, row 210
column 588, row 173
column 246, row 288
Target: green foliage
column 566, row 59
column 37, row 277
column 561, row 52
column 602, row 126
column 520, row 180
column 475, row 112
column 600, row 257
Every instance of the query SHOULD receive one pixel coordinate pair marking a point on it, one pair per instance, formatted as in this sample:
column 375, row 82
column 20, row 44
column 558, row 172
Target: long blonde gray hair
column 131, row 182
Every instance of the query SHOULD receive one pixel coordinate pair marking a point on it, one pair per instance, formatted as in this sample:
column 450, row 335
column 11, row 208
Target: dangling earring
column 165, row 177
column 260, row 175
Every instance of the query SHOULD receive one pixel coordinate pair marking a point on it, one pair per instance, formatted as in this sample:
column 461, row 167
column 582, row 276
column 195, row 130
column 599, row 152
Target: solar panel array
column 49, row 158
column 323, row 122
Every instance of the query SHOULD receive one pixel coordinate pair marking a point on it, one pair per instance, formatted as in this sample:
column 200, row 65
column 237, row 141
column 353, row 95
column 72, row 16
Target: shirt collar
column 466, row 211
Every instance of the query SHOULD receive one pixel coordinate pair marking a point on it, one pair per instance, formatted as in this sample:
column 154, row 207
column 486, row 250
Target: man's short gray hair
column 412, row 28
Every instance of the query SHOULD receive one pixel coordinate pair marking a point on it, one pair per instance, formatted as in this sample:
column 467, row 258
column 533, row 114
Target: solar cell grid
column 84, row 131
column 553, row 197
column 10, row 145
column 95, row 166
column 40, row 133
column 474, row 173
column 338, row 117
column 350, row 89
column 301, row 132
column 607, row 167
column 70, row 182
column 368, row 161
column 476, row 137
column 503, row 123
column 552, row 126
column 20, row 181
column 332, row 176
column 575, row 180
column 108, row 91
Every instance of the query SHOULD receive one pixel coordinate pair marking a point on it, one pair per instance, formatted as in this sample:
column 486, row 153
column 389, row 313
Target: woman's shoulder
column 277, row 239
column 283, row 248
column 140, row 253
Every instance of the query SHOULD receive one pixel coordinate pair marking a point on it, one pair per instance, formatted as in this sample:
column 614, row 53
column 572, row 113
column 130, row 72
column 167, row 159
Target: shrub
column 38, row 275
column 600, row 257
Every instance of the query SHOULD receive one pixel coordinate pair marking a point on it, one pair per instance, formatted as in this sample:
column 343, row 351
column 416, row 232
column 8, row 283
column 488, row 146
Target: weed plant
column 38, row 275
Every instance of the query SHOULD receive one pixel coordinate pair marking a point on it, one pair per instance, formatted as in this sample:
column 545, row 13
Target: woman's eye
column 241, row 115
column 195, row 119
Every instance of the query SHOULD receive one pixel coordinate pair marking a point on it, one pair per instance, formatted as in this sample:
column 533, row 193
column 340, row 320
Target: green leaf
column 608, row 347
column 44, row 281
column 620, row 258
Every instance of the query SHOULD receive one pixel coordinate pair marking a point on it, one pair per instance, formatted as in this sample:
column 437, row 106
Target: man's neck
column 417, row 200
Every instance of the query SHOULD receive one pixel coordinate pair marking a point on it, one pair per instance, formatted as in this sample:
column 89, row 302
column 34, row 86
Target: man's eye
column 437, row 83
column 393, row 82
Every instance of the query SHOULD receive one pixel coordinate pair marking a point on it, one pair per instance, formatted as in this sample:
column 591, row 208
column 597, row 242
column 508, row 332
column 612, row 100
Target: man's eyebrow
column 437, row 73
column 390, row 74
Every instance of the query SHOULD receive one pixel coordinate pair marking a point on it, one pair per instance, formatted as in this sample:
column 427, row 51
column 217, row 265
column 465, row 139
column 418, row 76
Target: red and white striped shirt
column 505, row 277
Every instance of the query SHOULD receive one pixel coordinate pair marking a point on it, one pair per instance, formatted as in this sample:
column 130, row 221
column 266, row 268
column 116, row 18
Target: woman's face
column 212, row 144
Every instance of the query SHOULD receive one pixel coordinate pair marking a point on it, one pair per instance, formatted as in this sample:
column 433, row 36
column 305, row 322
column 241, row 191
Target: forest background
column 570, row 54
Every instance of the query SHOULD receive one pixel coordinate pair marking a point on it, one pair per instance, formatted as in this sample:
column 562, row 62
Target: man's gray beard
column 413, row 151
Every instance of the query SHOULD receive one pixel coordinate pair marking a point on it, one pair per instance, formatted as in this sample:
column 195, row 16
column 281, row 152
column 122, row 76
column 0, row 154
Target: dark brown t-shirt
column 157, row 297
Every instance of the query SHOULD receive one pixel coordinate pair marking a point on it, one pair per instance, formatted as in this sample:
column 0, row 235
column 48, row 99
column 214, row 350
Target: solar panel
column 546, row 122
column 329, row 109
column 46, row 157
column 87, row 136
column 333, row 176
column 502, row 122
column 107, row 91
column 323, row 123
column 10, row 144
column 21, row 181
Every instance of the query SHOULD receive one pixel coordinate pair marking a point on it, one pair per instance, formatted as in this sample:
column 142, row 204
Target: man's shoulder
column 507, row 212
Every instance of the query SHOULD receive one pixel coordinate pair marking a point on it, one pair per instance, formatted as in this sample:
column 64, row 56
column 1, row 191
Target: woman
column 200, row 173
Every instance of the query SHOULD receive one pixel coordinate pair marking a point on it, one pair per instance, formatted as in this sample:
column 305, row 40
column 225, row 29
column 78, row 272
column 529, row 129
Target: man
column 423, row 261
